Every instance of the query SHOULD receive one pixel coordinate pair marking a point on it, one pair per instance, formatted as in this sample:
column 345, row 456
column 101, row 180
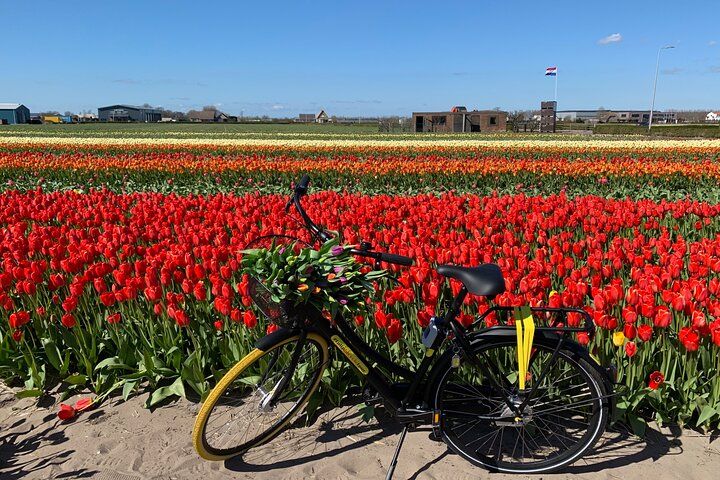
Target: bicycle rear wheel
column 562, row 420
column 246, row 408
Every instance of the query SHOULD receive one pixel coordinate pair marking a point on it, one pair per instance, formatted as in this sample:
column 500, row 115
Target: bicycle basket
column 282, row 314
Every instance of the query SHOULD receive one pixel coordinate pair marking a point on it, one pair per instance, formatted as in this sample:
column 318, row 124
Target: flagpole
column 556, row 80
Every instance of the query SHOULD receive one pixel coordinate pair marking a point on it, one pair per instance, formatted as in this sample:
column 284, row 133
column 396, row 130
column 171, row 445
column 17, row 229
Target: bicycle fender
column 278, row 335
column 571, row 345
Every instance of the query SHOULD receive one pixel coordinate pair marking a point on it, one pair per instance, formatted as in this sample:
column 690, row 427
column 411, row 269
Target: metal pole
column 652, row 103
column 556, row 80
column 657, row 69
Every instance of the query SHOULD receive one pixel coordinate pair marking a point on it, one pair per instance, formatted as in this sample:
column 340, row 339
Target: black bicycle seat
column 485, row 280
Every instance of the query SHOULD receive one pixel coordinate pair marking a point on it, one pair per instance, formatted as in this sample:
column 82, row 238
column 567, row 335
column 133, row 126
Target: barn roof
column 131, row 107
column 205, row 114
column 10, row 106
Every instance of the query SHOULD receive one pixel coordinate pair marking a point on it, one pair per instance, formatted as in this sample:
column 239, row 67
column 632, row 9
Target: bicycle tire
column 595, row 427
column 200, row 441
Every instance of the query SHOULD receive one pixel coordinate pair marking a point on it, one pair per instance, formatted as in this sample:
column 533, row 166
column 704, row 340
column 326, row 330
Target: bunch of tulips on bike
column 520, row 396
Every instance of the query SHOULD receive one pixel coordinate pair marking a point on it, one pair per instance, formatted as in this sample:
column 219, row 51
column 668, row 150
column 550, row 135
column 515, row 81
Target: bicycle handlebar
column 300, row 190
column 397, row 259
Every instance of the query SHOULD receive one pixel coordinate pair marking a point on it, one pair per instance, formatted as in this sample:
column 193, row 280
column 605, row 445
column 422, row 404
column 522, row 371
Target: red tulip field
column 120, row 262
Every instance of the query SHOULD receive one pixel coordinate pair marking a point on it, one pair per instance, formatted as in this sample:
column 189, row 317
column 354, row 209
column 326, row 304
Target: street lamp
column 657, row 68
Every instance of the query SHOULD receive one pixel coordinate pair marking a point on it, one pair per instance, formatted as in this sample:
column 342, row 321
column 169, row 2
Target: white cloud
column 712, row 43
column 671, row 71
column 613, row 38
column 278, row 107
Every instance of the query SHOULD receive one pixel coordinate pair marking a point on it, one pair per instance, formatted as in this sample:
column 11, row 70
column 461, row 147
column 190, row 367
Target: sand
column 125, row 441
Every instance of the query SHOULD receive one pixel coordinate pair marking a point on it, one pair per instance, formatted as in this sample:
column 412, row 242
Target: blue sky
column 357, row 58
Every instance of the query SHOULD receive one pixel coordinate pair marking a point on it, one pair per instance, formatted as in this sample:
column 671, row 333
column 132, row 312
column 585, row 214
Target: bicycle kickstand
column 394, row 461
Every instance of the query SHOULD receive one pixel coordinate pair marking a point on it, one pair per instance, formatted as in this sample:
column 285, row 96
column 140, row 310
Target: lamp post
column 657, row 69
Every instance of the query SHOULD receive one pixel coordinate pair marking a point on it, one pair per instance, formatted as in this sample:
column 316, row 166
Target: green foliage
column 660, row 130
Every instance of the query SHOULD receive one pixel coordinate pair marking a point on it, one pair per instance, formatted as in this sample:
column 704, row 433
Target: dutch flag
column 551, row 71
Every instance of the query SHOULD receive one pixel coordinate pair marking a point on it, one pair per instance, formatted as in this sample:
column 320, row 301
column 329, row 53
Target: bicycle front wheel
column 259, row 396
column 563, row 418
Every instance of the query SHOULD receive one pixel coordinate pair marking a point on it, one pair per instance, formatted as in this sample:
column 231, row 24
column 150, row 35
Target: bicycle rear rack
column 556, row 319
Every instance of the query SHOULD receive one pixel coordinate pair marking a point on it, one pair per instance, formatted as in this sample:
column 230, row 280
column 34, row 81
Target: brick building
column 459, row 120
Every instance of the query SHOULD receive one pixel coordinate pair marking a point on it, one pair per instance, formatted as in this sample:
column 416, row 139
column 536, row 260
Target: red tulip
column 381, row 319
column 629, row 315
column 66, row 412
column 630, row 349
column 630, row 331
column 645, row 332
column 699, row 321
column 249, row 319
column 69, row 304
column 182, row 318
column 394, row 331
column 715, row 332
column 656, row 379
column 271, row 328
column 689, row 338
column 663, row 317
column 83, row 404
column 68, row 320
column 18, row 319
column 108, row 299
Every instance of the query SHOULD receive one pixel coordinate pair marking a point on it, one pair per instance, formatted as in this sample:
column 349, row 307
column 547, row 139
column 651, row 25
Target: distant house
column 14, row 113
column 128, row 113
column 320, row 117
column 713, row 117
column 641, row 117
column 86, row 117
column 616, row 116
column 207, row 116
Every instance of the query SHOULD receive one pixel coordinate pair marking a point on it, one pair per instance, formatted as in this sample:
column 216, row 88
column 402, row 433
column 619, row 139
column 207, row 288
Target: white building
column 713, row 117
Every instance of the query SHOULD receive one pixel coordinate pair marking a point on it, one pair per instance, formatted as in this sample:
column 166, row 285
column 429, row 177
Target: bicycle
column 513, row 398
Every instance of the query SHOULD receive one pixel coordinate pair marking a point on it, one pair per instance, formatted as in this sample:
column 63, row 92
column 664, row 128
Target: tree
column 179, row 116
column 516, row 119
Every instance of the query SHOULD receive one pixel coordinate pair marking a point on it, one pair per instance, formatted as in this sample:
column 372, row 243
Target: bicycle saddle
column 485, row 280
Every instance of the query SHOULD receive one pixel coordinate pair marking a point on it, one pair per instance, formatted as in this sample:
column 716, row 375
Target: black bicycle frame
column 364, row 357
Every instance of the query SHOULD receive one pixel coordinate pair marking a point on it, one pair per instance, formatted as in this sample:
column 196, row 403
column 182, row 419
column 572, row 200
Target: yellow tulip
column 618, row 339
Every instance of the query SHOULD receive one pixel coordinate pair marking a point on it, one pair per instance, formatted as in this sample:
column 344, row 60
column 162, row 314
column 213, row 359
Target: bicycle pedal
column 414, row 416
column 436, row 430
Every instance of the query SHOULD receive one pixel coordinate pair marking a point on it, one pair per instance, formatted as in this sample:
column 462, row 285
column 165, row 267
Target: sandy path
column 127, row 442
